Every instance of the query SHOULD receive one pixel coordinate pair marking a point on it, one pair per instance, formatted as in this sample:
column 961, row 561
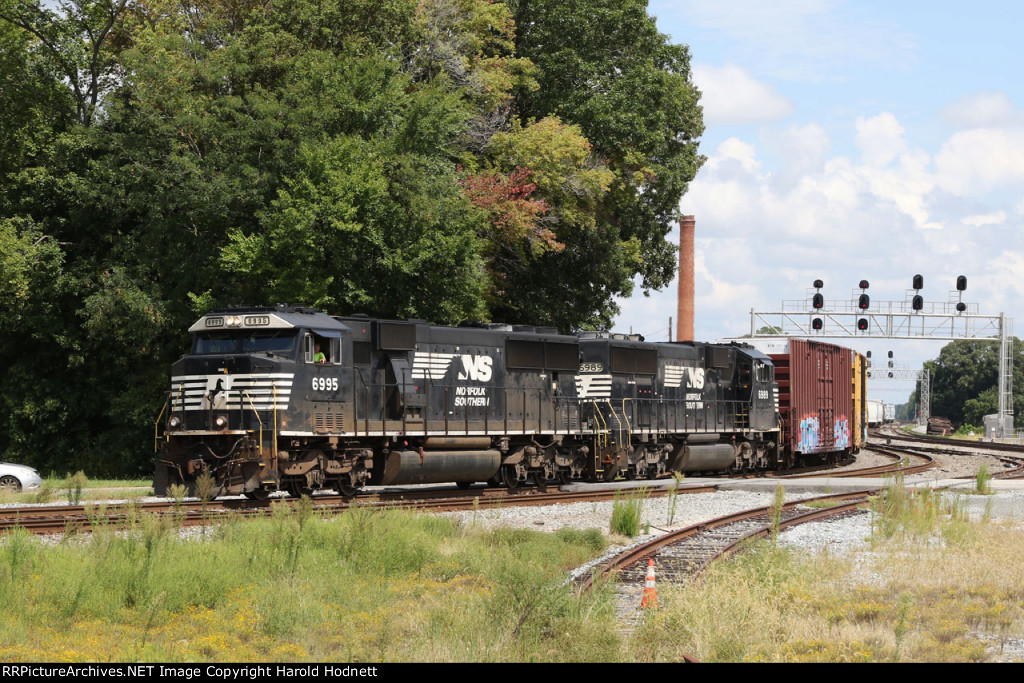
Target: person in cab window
column 318, row 355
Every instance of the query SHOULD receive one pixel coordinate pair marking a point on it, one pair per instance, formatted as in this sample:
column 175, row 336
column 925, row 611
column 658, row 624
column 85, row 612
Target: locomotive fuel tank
column 434, row 467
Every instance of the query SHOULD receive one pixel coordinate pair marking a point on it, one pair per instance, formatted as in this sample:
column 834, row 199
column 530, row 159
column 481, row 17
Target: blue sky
column 846, row 141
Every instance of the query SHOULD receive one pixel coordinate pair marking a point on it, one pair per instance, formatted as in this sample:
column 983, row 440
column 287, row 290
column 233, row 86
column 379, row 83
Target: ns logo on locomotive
column 289, row 398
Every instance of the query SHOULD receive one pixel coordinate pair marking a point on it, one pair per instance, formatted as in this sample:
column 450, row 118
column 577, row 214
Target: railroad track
column 1014, row 464
column 947, row 441
column 900, row 462
column 60, row 519
column 681, row 555
column 1011, row 455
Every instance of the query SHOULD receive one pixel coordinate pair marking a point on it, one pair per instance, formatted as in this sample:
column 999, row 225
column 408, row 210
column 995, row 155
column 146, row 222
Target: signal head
column 961, row 307
column 918, row 302
column 818, row 284
column 863, row 284
column 817, row 324
column 862, row 324
column 818, row 301
column 863, row 302
column 961, row 283
column 918, row 282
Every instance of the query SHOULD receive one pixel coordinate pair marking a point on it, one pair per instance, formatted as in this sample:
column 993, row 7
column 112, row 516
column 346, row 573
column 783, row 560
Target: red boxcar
column 815, row 398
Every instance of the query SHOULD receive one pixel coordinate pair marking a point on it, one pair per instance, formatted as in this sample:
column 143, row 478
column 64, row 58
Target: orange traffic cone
column 650, row 592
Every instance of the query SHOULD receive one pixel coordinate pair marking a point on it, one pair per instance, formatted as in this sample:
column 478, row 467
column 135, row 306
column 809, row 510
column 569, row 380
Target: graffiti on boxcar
column 810, row 433
column 842, row 433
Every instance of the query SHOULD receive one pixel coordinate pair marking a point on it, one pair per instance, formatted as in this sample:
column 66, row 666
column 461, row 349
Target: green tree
column 398, row 157
column 80, row 40
column 34, row 106
column 965, row 382
column 366, row 227
column 603, row 66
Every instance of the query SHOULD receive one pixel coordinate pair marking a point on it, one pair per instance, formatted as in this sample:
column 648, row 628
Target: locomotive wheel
column 564, row 477
column 260, row 495
column 540, row 480
column 346, row 487
column 297, row 490
column 509, row 477
column 630, row 473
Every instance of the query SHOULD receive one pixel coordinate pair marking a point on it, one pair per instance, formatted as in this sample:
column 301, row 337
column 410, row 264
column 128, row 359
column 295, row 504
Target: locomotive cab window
column 322, row 348
column 271, row 342
column 745, row 374
column 208, row 343
column 764, row 373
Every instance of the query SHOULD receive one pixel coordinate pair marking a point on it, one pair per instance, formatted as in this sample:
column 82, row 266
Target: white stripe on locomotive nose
column 428, row 365
column 594, row 386
column 674, row 376
column 246, row 390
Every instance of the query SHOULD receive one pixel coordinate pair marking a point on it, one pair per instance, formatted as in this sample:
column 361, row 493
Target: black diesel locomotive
column 288, row 398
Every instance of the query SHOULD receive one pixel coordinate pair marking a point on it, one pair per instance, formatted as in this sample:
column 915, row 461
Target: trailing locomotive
column 823, row 406
column 288, row 398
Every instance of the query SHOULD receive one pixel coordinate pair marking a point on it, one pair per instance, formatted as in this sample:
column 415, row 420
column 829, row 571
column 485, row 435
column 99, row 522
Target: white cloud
column 880, row 139
column 734, row 151
column 730, row 95
column 994, row 218
column 802, row 148
column 883, row 217
column 980, row 160
column 981, row 110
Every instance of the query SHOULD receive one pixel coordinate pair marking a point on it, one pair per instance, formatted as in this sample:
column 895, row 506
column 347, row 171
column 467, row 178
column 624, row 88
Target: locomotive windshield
column 264, row 341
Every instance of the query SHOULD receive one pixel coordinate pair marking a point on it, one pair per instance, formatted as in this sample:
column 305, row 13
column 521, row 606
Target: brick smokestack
column 684, row 327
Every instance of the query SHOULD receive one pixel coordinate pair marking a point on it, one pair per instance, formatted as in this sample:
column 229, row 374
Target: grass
column 627, row 510
column 775, row 512
column 982, row 480
column 367, row 586
column 934, row 587
column 393, row 586
column 70, row 487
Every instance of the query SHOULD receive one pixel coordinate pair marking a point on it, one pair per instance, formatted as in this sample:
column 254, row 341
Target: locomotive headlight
column 174, row 422
column 221, row 422
column 233, row 321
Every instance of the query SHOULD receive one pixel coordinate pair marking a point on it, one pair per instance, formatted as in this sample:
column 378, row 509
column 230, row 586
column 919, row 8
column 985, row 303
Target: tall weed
column 626, row 512
column 73, row 485
column 982, row 481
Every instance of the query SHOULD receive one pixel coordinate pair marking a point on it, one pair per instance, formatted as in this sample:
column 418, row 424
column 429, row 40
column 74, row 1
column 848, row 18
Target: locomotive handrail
column 603, row 429
column 618, row 422
column 629, row 428
column 156, row 425
column 181, row 390
column 255, row 412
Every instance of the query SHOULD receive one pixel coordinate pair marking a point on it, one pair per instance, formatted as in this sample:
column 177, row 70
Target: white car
column 17, row 477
